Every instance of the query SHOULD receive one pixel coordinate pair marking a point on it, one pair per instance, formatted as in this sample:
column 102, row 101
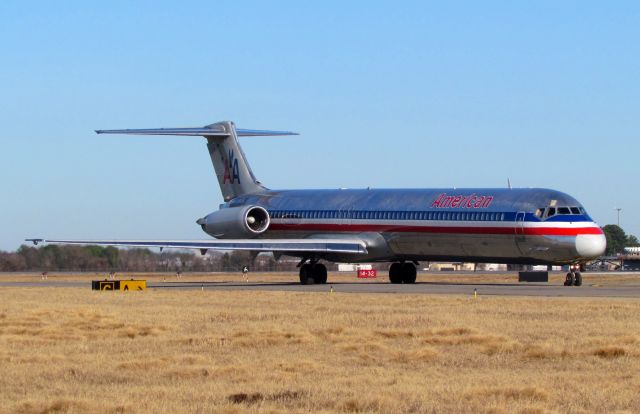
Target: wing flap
column 354, row 246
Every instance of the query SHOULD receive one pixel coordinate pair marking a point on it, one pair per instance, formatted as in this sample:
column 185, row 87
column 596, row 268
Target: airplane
column 401, row 226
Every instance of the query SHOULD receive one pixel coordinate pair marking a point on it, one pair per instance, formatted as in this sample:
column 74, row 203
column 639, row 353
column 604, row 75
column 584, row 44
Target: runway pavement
column 497, row 289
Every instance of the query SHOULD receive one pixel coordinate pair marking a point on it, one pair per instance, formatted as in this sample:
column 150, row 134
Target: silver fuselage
column 529, row 226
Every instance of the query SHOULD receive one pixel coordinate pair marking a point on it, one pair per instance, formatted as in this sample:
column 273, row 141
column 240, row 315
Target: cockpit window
column 564, row 210
column 583, row 211
column 539, row 212
column 551, row 212
column 575, row 210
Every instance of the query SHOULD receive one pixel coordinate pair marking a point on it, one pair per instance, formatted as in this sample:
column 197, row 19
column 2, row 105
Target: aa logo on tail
column 231, row 170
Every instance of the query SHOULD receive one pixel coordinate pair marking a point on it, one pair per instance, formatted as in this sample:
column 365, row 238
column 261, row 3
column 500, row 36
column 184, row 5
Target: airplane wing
column 354, row 246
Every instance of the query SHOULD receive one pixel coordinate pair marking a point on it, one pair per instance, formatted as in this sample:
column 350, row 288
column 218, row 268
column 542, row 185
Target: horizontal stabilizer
column 355, row 246
column 214, row 130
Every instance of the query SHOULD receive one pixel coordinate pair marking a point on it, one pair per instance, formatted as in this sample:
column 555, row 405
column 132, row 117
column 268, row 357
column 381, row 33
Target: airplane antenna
column 508, row 183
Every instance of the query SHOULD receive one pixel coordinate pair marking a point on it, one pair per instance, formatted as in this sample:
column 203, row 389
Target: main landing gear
column 574, row 277
column 311, row 273
column 402, row 273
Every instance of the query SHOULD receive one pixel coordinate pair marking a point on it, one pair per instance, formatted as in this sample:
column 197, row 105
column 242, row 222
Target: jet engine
column 236, row 222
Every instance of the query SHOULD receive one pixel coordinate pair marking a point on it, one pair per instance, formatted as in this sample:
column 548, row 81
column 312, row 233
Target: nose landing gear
column 574, row 277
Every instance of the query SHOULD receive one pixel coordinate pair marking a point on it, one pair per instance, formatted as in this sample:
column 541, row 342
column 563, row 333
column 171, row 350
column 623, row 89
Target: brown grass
column 610, row 352
column 74, row 350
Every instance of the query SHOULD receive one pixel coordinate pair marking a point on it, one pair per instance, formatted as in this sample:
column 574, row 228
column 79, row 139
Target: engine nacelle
column 236, row 222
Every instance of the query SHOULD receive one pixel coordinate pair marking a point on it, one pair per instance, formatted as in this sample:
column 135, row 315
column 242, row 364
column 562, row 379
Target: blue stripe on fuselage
column 425, row 215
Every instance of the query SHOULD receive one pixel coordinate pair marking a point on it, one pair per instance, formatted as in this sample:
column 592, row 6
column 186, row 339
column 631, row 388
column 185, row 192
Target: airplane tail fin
column 229, row 162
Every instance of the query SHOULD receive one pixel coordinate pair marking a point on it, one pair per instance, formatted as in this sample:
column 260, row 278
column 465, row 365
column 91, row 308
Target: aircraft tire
column 570, row 279
column 409, row 273
column 395, row 273
column 319, row 273
column 306, row 275
column 578, row 279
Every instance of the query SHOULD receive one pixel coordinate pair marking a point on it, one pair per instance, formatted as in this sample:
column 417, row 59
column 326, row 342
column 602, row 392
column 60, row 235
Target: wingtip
column 35, row 241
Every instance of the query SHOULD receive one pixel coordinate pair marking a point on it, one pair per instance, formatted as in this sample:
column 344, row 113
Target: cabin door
column 519, row 231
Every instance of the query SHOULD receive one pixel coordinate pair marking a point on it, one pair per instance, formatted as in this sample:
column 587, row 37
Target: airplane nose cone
column 591, row 245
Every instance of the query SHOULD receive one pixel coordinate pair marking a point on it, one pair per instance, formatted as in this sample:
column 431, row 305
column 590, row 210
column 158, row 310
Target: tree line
column 98, row 258
column 617, row 239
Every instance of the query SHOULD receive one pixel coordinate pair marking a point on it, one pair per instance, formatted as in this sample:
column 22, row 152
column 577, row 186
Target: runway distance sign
column 367, row 273
column 122, row 285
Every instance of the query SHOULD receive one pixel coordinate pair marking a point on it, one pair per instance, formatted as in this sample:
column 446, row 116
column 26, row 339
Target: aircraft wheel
column 306, row 275
column 395, row 273
column 409, row 273
column 578, row 279
column 570, row 279
column 319, row 273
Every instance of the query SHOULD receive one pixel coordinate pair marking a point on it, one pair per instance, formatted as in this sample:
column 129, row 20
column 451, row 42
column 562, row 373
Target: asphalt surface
column 501, row 289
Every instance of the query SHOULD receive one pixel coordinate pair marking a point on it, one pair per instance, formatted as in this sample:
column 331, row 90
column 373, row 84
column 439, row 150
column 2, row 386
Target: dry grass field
column 75, row 350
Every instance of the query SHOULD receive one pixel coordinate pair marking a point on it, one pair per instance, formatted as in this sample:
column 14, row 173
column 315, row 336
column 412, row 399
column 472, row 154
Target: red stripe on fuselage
column 390, row 228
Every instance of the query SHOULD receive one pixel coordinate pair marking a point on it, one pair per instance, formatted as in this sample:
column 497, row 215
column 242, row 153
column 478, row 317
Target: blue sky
column 385, row 94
